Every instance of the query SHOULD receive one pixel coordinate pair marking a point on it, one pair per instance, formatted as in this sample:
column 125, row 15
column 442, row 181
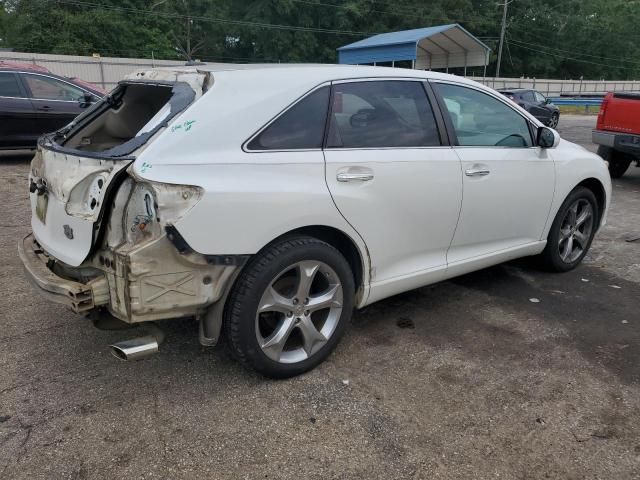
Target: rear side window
column 481, row 120
column 9, row 86
column 301, row 127
column 381, row 114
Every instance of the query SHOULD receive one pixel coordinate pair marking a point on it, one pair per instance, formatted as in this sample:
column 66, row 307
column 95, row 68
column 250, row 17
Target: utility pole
column 502, row 32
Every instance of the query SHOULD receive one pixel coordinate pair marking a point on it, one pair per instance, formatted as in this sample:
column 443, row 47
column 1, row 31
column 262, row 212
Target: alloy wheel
column 299, row 311
column 575, row 232
column 553, row 123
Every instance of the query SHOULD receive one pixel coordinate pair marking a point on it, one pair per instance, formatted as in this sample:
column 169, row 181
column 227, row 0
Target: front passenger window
column 481, row 120
column 46, row 88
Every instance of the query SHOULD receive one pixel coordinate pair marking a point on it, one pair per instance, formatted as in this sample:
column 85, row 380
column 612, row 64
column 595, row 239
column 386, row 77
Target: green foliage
column 545, row 38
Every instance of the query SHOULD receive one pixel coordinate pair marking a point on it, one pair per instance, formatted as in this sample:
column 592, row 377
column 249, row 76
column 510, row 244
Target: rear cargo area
column 133, row 108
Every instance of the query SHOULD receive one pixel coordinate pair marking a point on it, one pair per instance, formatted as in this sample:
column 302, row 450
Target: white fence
column 107, row 71
column 103, row 71
column 557, row 88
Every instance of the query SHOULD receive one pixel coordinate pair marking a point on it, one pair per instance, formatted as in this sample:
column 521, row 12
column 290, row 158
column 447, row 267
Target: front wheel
column 290, row 307
column 618, row 162
column 553, row 121
column 572, row 231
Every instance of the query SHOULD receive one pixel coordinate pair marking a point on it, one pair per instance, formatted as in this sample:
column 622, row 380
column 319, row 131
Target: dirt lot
column 481, row 382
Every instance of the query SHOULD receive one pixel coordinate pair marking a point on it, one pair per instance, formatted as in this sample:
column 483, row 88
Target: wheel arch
column 345, row 245
column 598, row 190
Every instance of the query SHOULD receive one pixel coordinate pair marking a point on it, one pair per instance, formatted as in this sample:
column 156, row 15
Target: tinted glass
column 300, row 127
column 381, row 114
column 9, row 86
column 481, row 120
column 527, row 96
column 47, row 88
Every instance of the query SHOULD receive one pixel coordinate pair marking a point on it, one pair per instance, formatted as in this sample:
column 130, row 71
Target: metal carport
column 443, row 47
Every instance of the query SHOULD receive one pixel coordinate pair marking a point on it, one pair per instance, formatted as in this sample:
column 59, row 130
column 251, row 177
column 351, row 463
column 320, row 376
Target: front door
column 393, row 180
column 56, row 102
column 542, row 112
column 508, row 183
column 16, row 114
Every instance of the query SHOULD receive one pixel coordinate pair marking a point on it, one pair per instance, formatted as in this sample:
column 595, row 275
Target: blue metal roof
column 395, row 38
column 442, row 46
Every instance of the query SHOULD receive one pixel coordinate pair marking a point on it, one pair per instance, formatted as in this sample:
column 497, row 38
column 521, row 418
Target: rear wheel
column 289, row 307
column 572, row 231
column 618, row 162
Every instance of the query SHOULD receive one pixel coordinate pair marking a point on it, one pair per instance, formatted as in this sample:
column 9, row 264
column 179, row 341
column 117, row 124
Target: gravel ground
column 467, row 379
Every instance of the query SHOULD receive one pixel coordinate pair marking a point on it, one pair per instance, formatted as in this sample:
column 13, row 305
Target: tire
column 553, row 121
column 618, row 162
column 569, row 240
column 290, row 335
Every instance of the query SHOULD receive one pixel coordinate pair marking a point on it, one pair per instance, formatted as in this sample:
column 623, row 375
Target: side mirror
column 85, row 100
column 547, row 138
column 547, row 101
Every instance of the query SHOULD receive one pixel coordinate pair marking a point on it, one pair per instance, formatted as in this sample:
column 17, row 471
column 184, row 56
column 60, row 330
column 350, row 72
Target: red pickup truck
column 618, row 131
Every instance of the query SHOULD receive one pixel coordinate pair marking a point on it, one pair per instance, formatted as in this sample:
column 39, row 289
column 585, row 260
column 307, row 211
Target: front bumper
column 80, row 297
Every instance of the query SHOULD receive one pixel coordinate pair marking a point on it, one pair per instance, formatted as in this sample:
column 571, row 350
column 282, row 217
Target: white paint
column 420, row 219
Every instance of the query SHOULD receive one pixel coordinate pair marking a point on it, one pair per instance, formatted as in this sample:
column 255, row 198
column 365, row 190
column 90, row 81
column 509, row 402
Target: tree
column 545, row 38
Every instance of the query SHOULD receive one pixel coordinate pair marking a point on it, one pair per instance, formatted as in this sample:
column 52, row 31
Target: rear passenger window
column 381, row 114
column 9, row 86
column 301, row 127
column 481, row 120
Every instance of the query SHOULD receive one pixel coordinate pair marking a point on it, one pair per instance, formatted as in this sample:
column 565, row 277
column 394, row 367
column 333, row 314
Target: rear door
column 393, row 179
column 16, row 114
column 508, row 182
column 56, row 102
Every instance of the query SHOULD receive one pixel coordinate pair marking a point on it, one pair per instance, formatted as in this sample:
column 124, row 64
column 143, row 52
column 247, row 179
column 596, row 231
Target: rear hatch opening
column 123, row 121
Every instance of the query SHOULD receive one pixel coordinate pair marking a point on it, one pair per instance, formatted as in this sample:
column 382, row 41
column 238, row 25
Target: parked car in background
column 617, row 131
column 34, row 101
column 535, row 103
column 269, row 210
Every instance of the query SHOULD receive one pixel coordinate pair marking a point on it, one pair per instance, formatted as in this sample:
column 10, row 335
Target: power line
column 615, row 59
column 516, row 44
column 398, row 11
column 241, row 23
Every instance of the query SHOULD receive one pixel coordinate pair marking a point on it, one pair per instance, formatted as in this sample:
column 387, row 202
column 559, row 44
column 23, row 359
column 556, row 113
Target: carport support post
column 465, row 64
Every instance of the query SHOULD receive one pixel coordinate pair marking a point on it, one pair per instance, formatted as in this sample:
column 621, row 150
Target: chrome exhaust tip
column 140, row 347
column 135, row 348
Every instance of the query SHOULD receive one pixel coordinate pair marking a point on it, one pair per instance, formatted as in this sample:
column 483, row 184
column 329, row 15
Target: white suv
column 269, row 201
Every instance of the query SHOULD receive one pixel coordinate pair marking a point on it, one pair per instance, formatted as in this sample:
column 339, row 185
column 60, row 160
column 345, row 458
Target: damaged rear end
column 103, row 237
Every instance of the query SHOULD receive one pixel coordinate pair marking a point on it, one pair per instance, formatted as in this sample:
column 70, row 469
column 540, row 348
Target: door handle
column 477, row 172
column 44, row 107
column 359, row 175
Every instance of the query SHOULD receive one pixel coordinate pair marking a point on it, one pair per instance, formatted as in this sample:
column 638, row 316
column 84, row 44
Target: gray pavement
column 480, row 383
